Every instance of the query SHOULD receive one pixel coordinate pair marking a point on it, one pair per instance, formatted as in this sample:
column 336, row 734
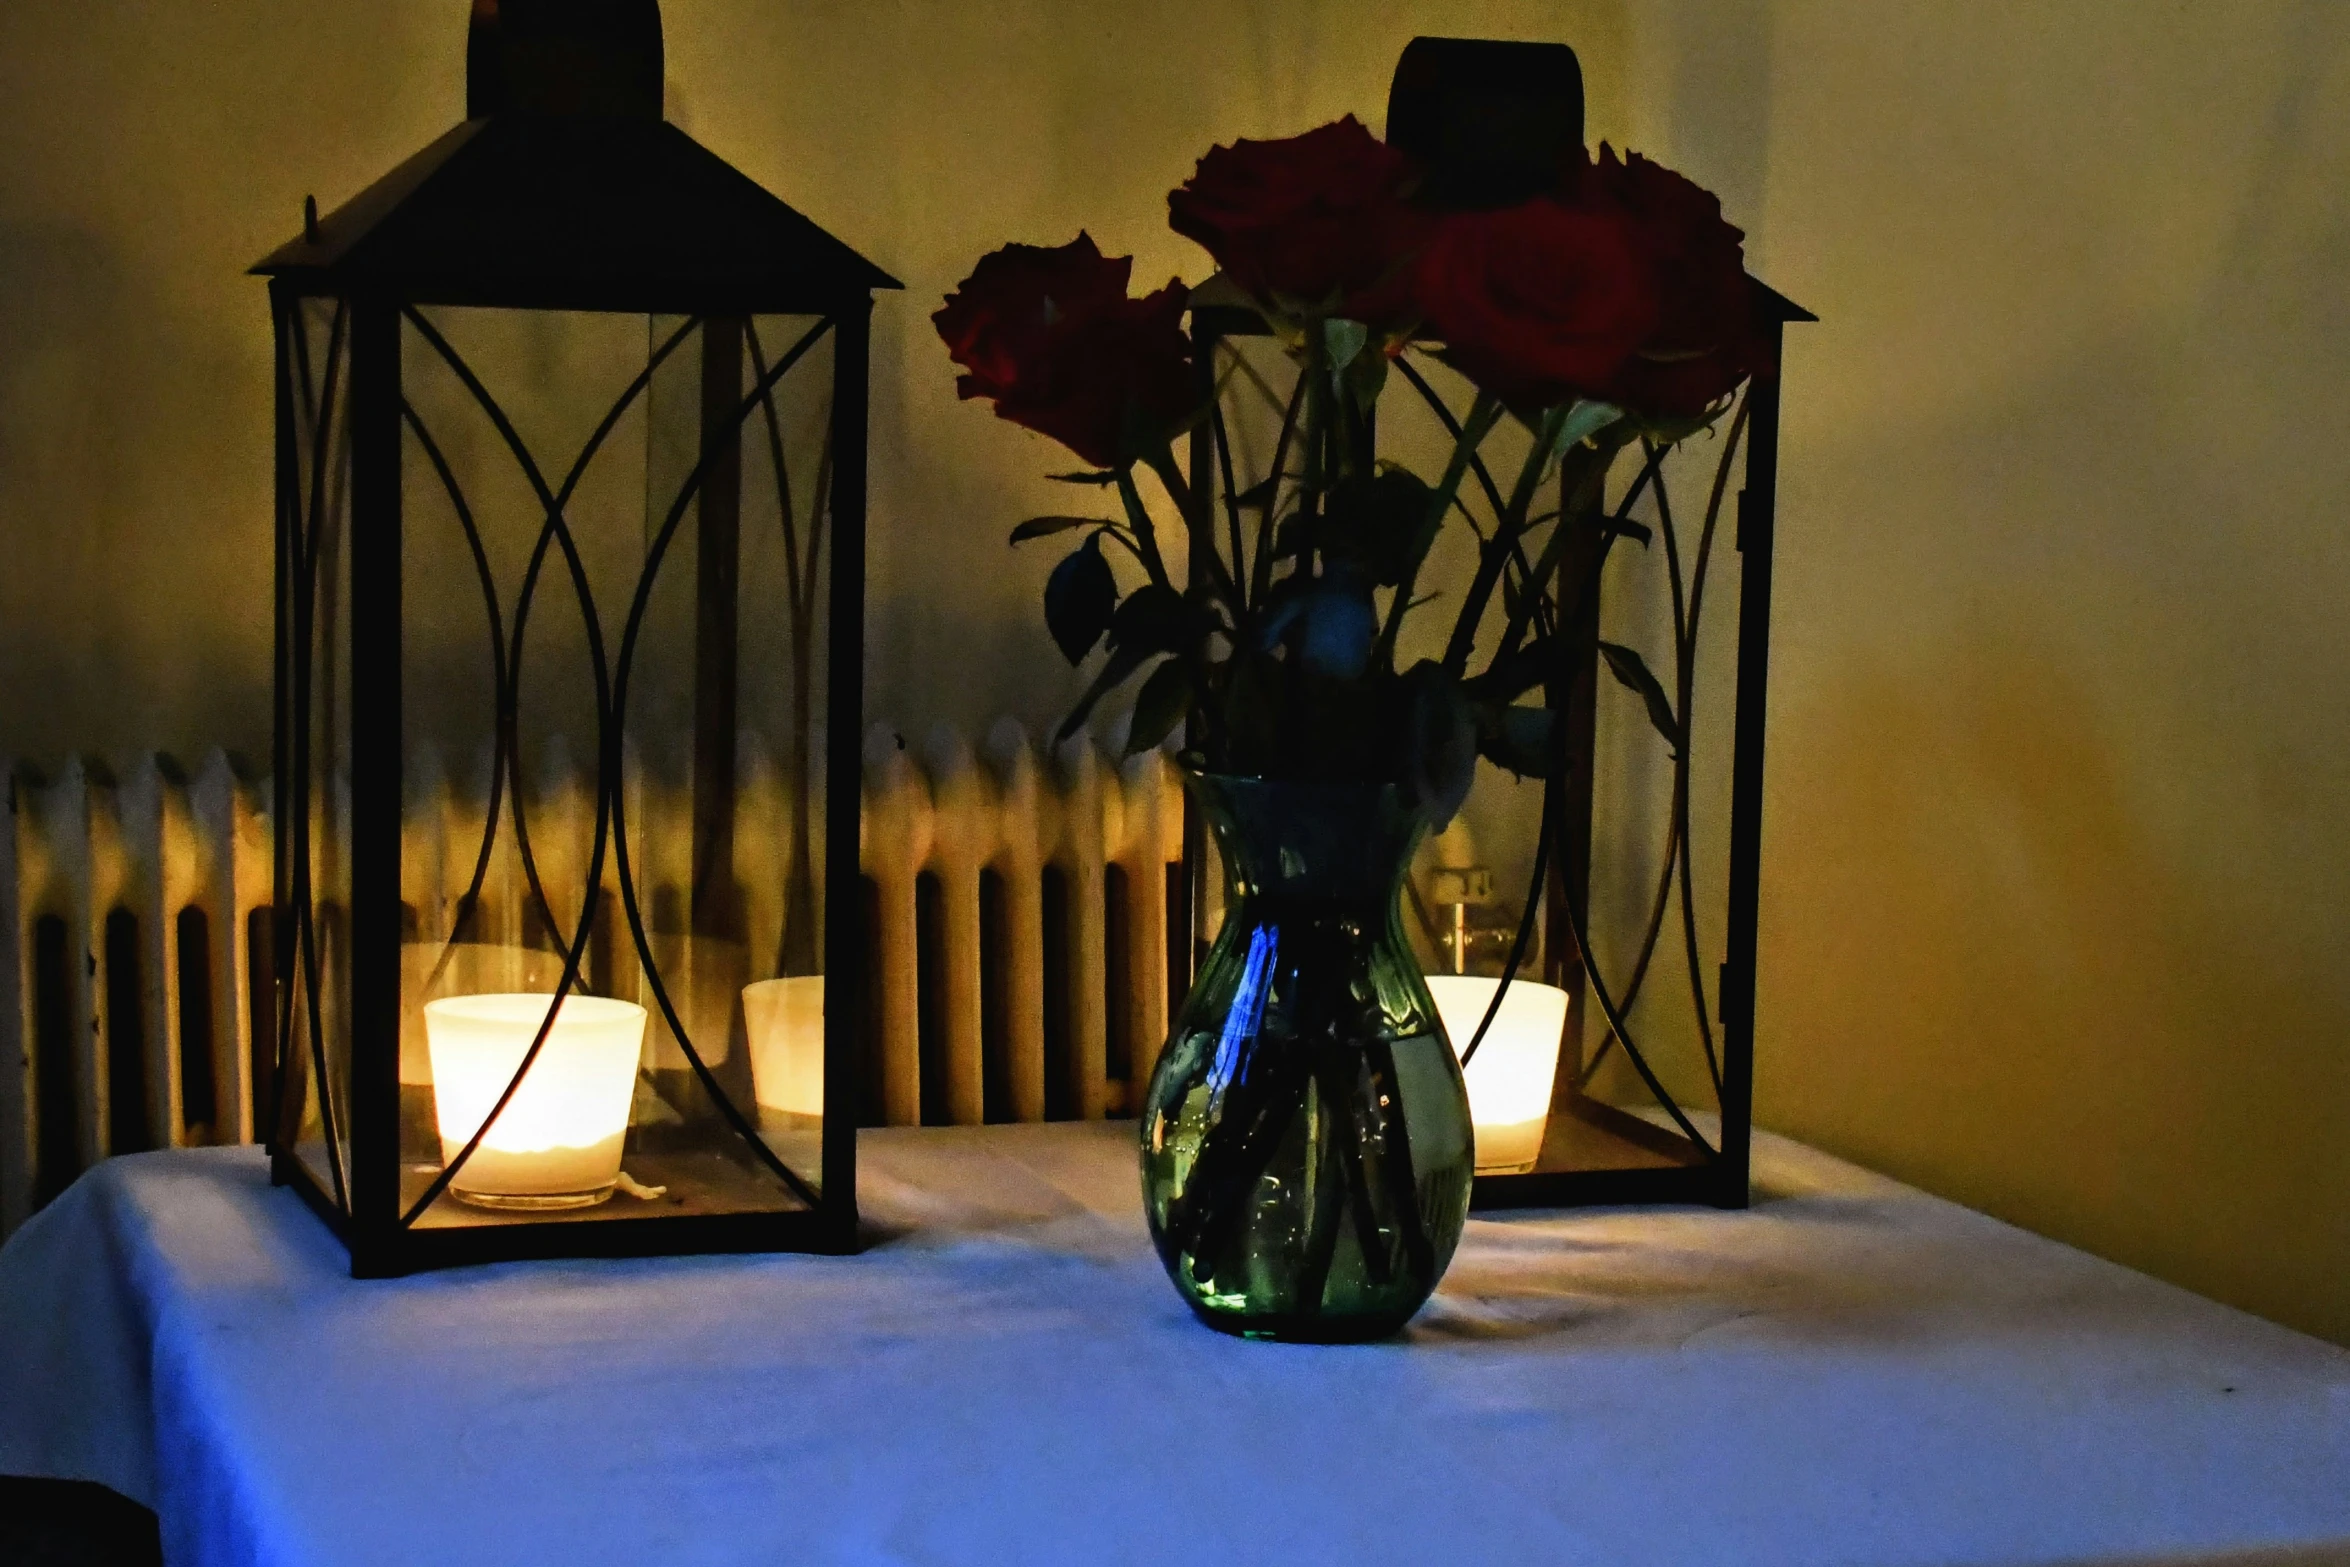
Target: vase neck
column 1309, row 842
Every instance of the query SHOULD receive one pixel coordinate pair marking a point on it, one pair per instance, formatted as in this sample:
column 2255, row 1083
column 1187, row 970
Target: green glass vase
column 1306, row 1145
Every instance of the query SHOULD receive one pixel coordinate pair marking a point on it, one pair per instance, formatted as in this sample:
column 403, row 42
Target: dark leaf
column 1251, row 713
column 1626, row 528
column 1629, row 668
column 1365, row 379
column 1106, row 476
column 1162, row 703
column 1260, row 494
column 1046, row 527
column 1080, row 597
column 1142, row 433
column 1377, row 520
column 1153, row 619
column 1294, row 535
column 1440, row 736
column 1518, row 738
column 1282, row 611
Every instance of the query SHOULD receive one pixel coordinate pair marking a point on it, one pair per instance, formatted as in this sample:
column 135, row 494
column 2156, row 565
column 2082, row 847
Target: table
column 1851, row 1372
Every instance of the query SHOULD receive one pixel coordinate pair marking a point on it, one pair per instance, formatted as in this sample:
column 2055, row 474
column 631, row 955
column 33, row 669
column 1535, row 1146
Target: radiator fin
column 126, row 869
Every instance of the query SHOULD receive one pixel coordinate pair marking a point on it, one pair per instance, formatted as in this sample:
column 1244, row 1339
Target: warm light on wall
column 1510, row 1077
column 557, row 1142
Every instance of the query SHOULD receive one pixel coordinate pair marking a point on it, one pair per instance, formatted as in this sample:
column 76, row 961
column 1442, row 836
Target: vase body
column 1306, row 1145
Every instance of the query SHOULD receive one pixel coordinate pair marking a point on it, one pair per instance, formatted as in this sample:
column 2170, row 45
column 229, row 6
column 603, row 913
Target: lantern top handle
column 1492, row 120
column 599, row 57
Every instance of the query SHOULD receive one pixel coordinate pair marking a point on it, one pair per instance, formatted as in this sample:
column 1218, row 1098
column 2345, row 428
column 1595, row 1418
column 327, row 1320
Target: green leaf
column 1046, row 527
column 1584, row 420
column 1162, row 703
column 1080, row 600
column 1342, row 340
column 1632, row 670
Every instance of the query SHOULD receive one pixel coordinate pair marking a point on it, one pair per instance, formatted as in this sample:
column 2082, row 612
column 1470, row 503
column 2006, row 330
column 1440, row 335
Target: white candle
column 1511, row 1076
column 557, row 1142
column 785, row 1019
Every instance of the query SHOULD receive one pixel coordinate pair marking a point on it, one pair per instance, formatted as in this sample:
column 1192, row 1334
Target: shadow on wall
column 1704, row 102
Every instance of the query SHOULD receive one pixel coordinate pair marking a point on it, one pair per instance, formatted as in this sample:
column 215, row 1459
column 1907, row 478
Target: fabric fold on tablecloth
column 76, row 1331
column 1853, row 1372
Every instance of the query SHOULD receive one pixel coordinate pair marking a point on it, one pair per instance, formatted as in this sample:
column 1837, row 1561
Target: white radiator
column 136, row 911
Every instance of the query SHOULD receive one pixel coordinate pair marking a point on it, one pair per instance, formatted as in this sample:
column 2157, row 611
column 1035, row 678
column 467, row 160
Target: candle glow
column 785, row 1020
column 557, row 1143
column 1511, row 1076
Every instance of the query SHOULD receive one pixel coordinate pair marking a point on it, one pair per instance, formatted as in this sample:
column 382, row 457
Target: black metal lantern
column 570, row 498
column 1594, row 931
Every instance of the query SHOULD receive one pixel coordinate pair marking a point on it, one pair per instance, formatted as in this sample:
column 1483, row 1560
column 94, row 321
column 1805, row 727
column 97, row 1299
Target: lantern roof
column 564, row 189
column 576, row 212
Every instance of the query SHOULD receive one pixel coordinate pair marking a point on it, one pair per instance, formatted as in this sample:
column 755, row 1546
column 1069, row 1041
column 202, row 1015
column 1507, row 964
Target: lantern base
column 533, row 1202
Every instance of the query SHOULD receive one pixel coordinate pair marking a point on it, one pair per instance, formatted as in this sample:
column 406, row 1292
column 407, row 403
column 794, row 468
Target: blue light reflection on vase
column 1306, row 1147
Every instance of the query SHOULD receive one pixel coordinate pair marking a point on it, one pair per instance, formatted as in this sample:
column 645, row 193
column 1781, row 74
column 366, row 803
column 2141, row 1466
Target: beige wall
column 149, row 153
column 2058, row 846
column 2056, row 862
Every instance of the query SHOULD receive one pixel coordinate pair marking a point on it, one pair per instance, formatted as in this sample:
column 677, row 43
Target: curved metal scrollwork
column 612, row 674
column 654, row 555
column 1574, row 602
column 304, row 522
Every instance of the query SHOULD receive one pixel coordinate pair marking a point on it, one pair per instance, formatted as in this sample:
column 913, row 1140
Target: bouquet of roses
column 1609, row 312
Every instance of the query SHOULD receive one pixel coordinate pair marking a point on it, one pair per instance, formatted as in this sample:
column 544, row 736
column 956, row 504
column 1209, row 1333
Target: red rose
column 1539, row 303
column 1311, row 223
column 1051, row 337
column 1704, row 342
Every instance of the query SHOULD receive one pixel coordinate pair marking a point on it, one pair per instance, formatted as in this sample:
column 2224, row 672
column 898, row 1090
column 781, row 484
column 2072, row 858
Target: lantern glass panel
column 1608, row 1084
column 314, row 953
column 1634, row 893
column 615, row 557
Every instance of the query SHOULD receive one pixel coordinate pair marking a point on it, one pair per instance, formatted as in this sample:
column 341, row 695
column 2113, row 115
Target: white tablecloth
column 1852, row 1372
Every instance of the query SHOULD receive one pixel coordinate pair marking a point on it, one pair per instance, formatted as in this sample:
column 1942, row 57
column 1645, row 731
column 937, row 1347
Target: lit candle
column 785, row 1019
column 1511, row 1075
column 557, row 1142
